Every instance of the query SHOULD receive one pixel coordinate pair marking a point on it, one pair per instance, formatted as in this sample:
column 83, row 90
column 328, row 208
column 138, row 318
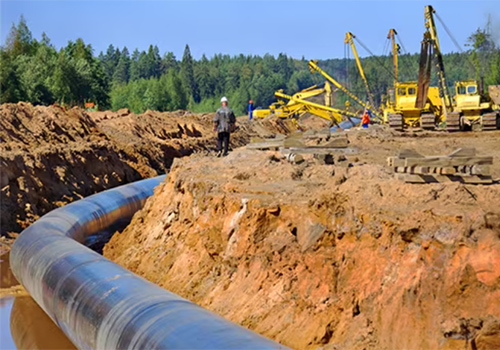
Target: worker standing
column 365, row 120
column 250, row 110
column 224, row 124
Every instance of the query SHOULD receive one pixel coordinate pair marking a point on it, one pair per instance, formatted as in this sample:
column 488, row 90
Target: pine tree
column 203, row 78
column 134, row 67
column 19, row 40
column 187, row 75
column 10, row 86
column 109, row 61
column 153, row 62
column 121, row 75
column 168, row 62
column 179, row 99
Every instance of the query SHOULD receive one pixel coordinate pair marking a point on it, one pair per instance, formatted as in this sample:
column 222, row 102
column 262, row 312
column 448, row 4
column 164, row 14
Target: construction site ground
column 332, row 256
column 338, row 256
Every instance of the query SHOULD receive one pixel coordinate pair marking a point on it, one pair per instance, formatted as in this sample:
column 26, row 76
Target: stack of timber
column 463, row 165
column 321, row 145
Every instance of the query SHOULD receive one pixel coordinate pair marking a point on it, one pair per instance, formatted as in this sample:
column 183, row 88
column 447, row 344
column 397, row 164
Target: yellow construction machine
column 313, row 66
column 470, row 107
column 333, row 115
column 293, row 108
column 401, row 109
column 475, row 109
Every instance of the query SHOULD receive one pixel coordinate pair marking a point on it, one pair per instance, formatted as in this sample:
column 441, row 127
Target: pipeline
column 101, row 305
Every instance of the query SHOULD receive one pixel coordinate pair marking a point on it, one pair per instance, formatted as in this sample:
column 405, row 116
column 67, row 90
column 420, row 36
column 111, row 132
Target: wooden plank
column 279, row 137
column 324, row 131
column 256, row 139
column 296, row 135
column 414, row 178
column 447, row 170
column 394, row 161
column 463, row 152
column 409, row 153
column 448, row 161
column 308, row 150
column 293, row 143
column 480, row 170
column 462, row 169
column 420, row 170
column 336, row 143
column 265, row 145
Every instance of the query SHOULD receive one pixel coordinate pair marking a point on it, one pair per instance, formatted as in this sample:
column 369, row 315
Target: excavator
column 401, row 109
column 294, row 109
column 313, row 66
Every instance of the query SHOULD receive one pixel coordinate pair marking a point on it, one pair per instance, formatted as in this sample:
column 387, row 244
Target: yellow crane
column 401, row 109
column 470, row 107
column 431, row 49
column 349, row 40
column 293, row 108
column 313, row 66
column 331, row 114
column 395, row 52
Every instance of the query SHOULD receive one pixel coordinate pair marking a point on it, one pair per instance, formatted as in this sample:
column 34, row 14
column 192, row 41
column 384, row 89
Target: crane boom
column 349, row 40
column 431, row 45
column 395, row 51
column 315, row 68
column 329, row 113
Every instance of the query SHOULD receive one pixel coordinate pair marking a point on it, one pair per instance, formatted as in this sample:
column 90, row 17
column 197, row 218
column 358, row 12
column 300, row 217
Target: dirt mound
column 337, row 256
column 51, row 156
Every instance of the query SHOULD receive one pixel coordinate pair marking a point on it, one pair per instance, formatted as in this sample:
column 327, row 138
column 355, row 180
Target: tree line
column 35, row 71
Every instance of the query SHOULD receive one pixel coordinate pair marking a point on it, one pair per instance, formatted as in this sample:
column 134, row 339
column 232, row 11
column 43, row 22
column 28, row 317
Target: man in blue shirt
column 250, row 109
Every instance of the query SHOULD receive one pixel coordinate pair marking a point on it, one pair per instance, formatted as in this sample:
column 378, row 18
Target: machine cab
column 467, row 95
column 406, row 95
column 467, row 87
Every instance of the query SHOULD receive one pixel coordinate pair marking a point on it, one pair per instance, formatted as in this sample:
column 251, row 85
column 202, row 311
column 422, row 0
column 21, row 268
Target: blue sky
column 314, row 29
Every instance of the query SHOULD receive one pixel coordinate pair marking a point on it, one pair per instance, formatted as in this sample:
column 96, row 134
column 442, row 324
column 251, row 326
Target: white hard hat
column 224, row 99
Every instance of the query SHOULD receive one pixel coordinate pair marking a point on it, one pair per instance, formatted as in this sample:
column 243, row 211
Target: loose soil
column 338, row 256
column 50, row 156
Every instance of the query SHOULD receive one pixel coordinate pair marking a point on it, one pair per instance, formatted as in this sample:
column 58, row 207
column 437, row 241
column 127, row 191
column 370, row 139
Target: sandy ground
column 338, row 256
column 50, row 156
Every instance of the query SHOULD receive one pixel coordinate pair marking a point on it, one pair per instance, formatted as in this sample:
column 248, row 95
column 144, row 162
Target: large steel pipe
column 99, row 304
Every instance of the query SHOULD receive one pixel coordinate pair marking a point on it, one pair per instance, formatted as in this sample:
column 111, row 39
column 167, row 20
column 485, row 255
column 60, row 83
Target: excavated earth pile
column 50, row 156
column 338, row 256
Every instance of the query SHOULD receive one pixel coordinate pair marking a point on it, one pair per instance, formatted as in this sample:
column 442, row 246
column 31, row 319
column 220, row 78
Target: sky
column 313, row 29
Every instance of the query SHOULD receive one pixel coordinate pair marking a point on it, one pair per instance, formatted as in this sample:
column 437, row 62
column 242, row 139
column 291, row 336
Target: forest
column 36, row 71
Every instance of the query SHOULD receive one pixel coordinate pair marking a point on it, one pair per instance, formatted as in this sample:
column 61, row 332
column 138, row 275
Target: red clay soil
column 50, row 156
column 336, row 256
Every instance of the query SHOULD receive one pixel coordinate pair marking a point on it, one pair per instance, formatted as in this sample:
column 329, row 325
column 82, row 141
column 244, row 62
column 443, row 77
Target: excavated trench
column 311, row 255
column 51, row 156
column 333, row 256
